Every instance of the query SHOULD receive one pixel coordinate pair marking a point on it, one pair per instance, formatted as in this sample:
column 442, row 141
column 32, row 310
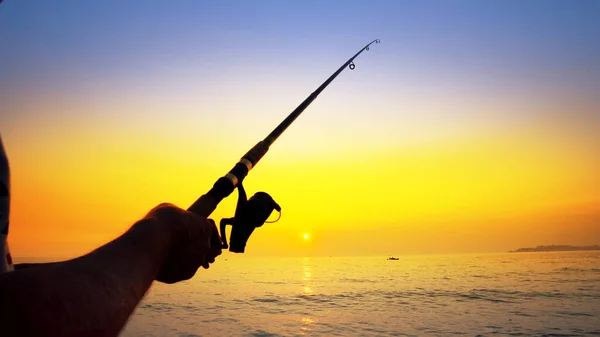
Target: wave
column 173, row 307
column 403, row 297
column 262, row 333
column 577, row 270
column 266, row 300
column 354, row 280
column 159, row 307
column 574, row 314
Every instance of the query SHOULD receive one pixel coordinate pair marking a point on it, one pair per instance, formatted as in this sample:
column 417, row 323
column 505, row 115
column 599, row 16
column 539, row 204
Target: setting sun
column 305, row 236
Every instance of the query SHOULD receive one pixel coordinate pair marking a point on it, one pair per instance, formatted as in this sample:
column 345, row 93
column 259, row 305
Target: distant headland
column 555, row 248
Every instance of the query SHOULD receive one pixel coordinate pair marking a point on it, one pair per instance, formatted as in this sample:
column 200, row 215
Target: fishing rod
column 262, row 202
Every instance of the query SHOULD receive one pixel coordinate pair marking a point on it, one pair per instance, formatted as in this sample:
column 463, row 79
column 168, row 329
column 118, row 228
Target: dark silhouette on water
column 249, row 214
column 225, row 185
column 391, row 258
column 555, row 248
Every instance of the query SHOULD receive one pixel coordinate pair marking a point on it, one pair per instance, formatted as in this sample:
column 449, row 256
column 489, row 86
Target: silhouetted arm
column 94, row 295
column 21, row 266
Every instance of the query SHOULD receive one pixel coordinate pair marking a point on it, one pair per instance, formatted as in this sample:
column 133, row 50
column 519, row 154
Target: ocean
column 509, row 294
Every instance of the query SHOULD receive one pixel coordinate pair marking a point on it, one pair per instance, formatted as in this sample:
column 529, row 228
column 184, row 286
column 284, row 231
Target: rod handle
column 204, row 206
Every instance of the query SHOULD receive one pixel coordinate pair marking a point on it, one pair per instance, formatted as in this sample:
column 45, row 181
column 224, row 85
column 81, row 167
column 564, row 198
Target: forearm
column 21, row 266
column 92, row 295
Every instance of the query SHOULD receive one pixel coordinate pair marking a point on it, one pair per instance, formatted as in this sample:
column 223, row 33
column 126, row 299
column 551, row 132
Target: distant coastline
column 555, row 248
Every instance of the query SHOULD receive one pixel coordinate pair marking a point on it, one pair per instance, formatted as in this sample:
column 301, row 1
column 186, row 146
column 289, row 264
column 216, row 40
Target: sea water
column 510, row 294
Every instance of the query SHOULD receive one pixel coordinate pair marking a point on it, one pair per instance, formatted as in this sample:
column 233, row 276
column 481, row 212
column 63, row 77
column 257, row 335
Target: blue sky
column 490, row 43
column 536, row 61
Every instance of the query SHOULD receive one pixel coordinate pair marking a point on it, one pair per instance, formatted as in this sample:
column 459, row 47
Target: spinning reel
column 249, row 214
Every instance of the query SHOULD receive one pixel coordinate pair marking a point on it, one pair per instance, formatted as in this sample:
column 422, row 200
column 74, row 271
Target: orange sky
column 490, row 192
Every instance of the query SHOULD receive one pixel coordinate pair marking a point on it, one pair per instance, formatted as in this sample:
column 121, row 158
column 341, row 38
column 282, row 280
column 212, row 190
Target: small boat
column 391, row 258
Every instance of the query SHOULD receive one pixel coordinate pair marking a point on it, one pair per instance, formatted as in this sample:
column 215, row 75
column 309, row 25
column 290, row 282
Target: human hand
column 190, row 243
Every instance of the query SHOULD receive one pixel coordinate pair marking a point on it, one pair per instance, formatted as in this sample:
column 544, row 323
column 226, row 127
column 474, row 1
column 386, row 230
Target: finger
column 204, row 243
column 206, row 263
column 199, row 247
column 213, row 229
column 192, row 260
column 214, row 251
column 215, row 240
column 210, row 234
column 204, row 223
column 200, row 233
column 182, row 265
column 210, row 259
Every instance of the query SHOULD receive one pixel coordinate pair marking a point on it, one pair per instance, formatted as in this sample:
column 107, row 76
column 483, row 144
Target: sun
column 305, row 236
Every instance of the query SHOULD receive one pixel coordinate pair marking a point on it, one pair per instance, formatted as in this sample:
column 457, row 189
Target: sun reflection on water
column 306, row 324
column 307, row 277
column 307, row 273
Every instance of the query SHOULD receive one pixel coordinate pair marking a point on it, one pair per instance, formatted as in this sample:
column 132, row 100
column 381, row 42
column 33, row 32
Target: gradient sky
column 473, row 127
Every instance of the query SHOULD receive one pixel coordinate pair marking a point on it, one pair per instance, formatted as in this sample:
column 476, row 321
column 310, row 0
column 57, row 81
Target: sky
column 472, row 127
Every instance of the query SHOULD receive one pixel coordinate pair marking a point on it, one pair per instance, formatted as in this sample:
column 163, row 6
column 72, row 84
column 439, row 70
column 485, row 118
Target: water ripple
column 508, row 295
